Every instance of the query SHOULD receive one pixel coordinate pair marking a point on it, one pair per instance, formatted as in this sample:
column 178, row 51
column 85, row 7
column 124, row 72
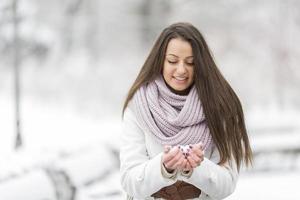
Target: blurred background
column 66, row 67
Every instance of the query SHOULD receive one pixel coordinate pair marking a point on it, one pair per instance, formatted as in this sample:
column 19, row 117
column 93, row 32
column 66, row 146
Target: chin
column 179, row 89
column 180, row 86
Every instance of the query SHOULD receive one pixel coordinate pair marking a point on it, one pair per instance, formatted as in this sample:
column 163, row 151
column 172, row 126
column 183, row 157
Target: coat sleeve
column 140, row 175
column 215, row 181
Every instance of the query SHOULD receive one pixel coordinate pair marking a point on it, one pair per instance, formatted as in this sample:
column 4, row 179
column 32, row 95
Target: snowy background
column 77, row 60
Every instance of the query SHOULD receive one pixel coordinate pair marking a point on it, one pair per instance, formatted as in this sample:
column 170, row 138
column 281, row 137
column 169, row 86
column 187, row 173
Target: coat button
column 140, row 178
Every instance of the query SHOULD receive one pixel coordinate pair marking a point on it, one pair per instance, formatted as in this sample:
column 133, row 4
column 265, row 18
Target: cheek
column 167, row 71
column 191, row 72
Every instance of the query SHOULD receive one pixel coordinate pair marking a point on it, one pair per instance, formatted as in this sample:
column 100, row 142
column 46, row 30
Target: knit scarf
column 173, row 119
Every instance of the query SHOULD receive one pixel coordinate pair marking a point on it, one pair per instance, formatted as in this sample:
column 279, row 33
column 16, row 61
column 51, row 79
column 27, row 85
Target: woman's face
column 178, row 69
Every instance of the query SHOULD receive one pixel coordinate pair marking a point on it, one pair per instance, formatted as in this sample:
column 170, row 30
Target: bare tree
column 16, row 64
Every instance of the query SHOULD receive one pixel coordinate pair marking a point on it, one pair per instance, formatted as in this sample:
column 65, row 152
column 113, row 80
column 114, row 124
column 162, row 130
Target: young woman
column 184, row 135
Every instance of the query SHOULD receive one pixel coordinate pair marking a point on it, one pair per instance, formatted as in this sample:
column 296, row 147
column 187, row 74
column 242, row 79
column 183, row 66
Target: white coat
column 140, row 158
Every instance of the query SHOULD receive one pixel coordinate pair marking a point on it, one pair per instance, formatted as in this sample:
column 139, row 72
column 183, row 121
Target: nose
column 181, row 68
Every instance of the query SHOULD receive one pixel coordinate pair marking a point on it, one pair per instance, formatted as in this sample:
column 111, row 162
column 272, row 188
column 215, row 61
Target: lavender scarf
column 172, row 119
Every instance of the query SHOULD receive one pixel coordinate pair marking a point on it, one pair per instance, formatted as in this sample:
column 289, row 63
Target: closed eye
column 172, row 62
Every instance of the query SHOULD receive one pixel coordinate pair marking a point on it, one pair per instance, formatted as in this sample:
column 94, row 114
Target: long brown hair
column 222, row 108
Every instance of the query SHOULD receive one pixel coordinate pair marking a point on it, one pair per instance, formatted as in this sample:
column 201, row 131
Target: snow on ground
column 28, row 183
column 52, row 127
column 110, row 189
column 268, row 185
column 58, row 138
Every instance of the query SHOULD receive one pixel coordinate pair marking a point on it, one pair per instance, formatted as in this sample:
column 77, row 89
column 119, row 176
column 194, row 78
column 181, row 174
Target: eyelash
column 176, row 62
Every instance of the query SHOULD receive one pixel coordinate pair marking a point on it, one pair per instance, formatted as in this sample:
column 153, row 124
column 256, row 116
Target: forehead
column 179, row 47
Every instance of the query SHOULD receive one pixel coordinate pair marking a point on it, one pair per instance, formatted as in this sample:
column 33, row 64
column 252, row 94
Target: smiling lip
column 180, row 79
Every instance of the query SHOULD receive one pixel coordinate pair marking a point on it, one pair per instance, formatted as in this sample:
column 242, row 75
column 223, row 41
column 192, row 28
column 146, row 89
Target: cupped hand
column 173, row 158
column 195, row 155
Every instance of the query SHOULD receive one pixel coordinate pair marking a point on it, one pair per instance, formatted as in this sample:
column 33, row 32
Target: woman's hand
column 195, row 156
column 186, row 166
column 173, row 158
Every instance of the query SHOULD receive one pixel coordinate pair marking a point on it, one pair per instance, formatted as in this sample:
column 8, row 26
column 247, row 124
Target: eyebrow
column 177, row 56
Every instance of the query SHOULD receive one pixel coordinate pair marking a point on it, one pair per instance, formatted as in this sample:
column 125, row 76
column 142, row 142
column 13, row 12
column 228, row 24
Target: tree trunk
column 16, row 64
